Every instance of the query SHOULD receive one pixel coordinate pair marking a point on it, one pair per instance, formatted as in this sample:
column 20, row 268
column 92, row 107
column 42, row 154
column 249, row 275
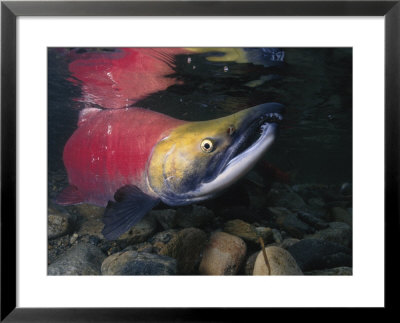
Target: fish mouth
column 258, row 130
column 255, row 135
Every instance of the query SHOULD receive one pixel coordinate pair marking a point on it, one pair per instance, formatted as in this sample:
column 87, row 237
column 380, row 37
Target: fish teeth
column 274, row 116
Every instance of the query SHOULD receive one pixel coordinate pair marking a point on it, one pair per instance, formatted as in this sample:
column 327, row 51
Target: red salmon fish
column 130, row 159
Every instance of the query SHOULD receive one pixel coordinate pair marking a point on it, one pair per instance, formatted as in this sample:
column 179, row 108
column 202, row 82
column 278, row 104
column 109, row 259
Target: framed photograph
column 188, row 155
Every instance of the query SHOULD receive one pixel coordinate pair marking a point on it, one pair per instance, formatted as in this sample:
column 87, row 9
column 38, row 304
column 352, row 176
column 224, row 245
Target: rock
column 59, row 223
column 277, row 236
column 195, row 216
column 249, row 266
column 109, row 247
column 160, row 239
column 186, row 247
column 288, row 242
column 313, row 254
column 339, row 271
column 307, row 191
column 141, row 231
column 166, row 218
column 280, row 261
column 74, row 237
column 82, row 259
column 312, row 220
column 346, row 189
column 286, row 199
column 337, row 232
column 338, row 214
column 248, row 232
column 316, row 202
column 289, row 222
column 138, row 263
column 140, row 247
column 91, row 220
column 277, row 211
column 335, row 195
column 223, row 255
column 93, row 240
column 56, row 247
column 339, row 203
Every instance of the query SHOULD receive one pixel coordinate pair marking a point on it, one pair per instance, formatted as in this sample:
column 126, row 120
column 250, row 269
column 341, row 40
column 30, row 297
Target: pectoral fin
column 130, row 206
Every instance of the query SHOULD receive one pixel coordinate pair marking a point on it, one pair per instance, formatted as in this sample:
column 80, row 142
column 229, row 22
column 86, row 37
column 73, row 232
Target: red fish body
column 110, row 149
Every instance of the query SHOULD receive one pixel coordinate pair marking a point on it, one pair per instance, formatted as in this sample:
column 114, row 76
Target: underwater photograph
column 200, row 161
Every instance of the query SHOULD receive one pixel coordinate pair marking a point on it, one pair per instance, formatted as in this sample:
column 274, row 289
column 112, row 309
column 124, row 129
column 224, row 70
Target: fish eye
column 207, row 145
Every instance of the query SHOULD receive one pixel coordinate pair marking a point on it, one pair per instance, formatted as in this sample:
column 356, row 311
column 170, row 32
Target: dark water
column 315, row 85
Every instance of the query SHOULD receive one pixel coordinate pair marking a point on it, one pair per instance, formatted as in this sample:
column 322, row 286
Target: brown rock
column 140, row 247
column 186, row 247
column 161, row 239
column 91, row 221
column 290, row 223
column 248, row 232
column 223, row 255
column 241, row 229
column 138, row 263
column 339, row 214
column 280, row 262
column 141, row 231
column 82, row 259
column 58, row 223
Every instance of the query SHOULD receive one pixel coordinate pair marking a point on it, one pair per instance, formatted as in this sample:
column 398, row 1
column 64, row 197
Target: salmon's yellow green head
column 197, row 160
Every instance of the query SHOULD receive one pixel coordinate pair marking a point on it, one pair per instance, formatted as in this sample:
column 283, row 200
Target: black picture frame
column 10, row 10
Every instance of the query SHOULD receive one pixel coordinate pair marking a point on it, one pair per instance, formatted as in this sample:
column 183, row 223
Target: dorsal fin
column 85, row 114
